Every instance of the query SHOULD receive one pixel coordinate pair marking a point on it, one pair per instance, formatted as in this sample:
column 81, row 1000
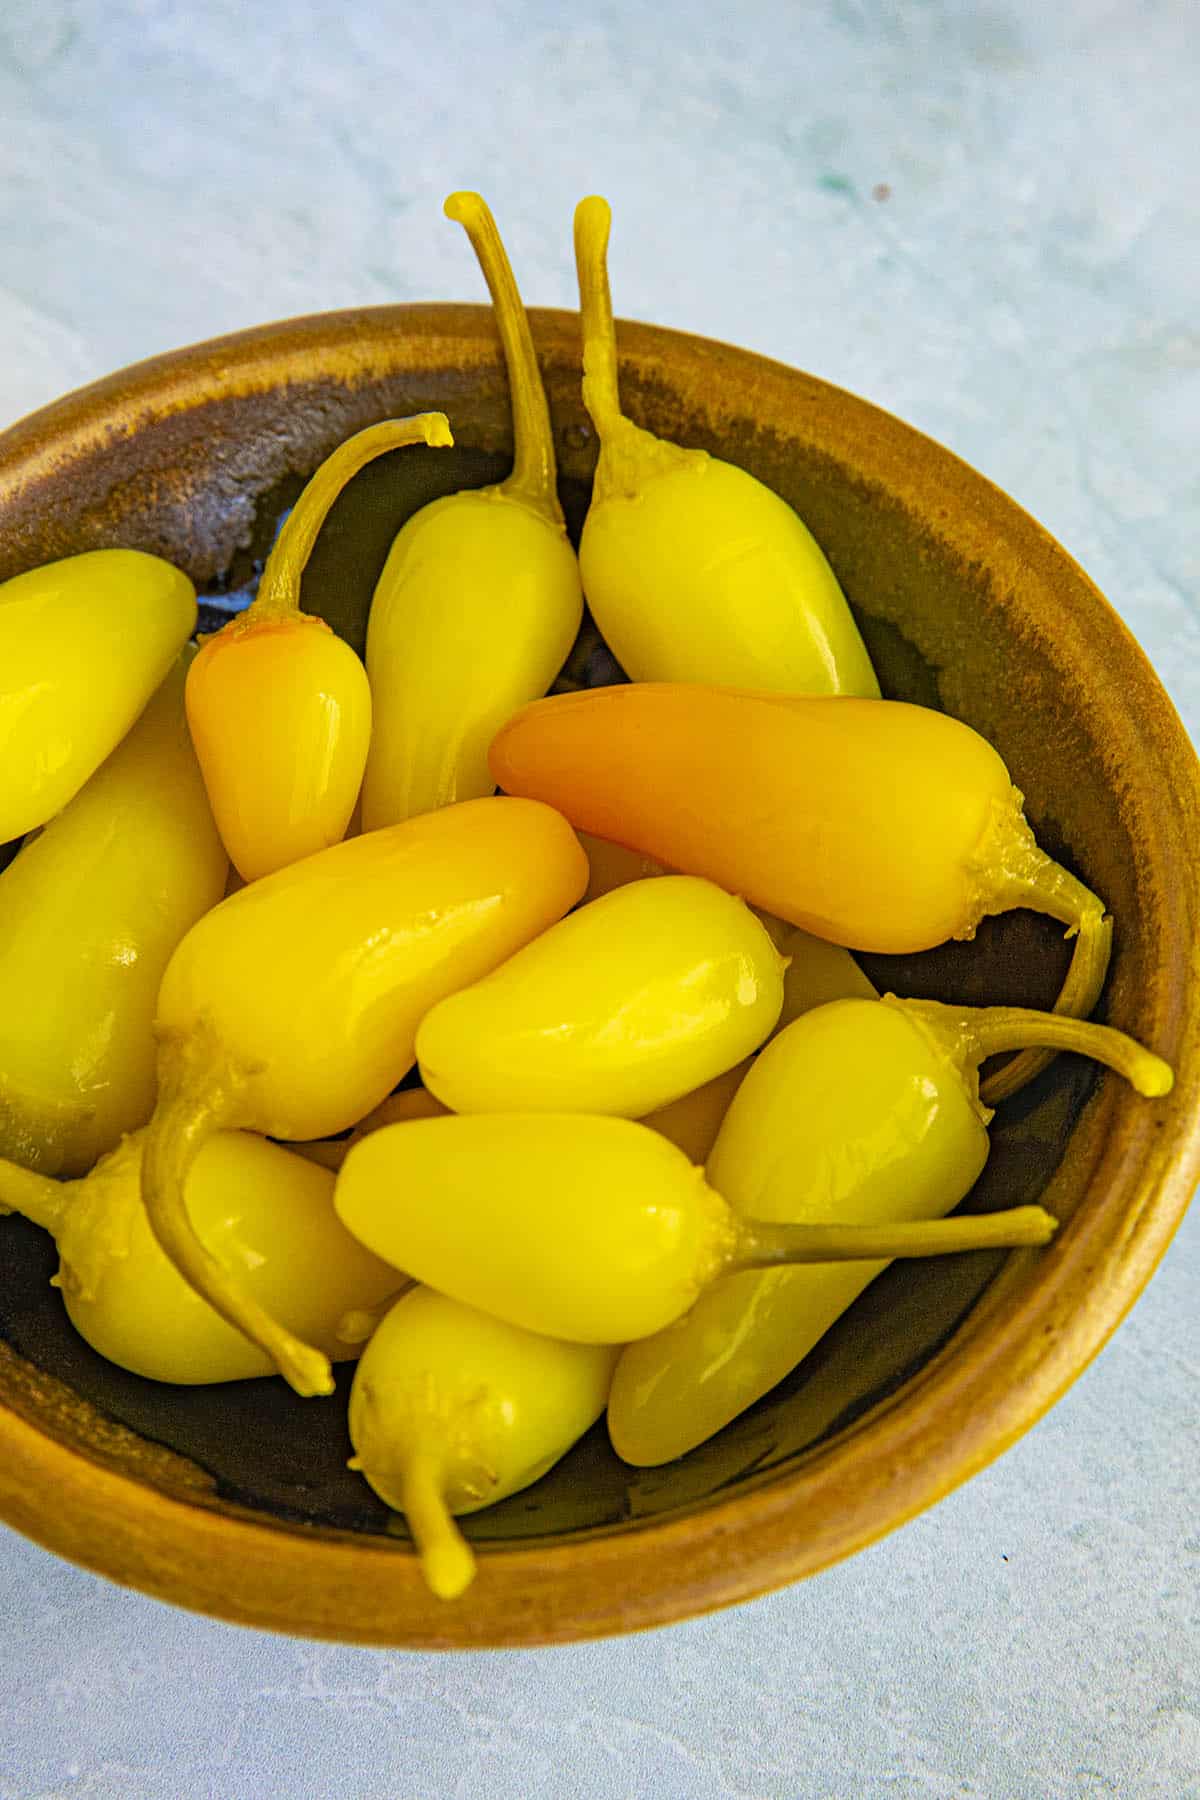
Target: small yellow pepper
column 862, row 1111
column 452, row 1410
column 878, row 825
column 292, row 1007
column 255, row 1207
column 279, row 705
column 592, row 1229
column 624, row 1006
column 83, row 644
column 90, row 912
column 479, row 600
column 694, row 570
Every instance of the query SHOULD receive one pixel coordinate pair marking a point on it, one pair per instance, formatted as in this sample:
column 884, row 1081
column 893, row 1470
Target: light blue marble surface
column 1026, row 290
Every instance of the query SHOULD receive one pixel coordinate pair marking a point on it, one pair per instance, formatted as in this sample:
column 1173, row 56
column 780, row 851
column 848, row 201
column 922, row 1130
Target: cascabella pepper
column 863, row 1111
column 253, row 1205
column 90, row 912
column 592, row 1229
column 279, row 705
column 83, row 644
column 694, row 570
column 292, row 1007
column 479, row 600
column 634, row 1000
column 452, row 1410
column 876, row 824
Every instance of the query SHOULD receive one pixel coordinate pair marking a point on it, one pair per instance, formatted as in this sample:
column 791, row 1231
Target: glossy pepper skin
column 452, row 1410
column 90, row 912
column 629, row 1003
column 591, row 1229
column 876, row 824
column 862, row 1111
column 479, row 601
column 694, row 570
column 84, row 642
column 816, row 973
column 292, row 1007
column 279, row 706
column 255, row 1206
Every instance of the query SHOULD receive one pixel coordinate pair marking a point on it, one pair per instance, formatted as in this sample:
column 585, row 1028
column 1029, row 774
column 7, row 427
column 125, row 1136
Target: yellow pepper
column 83, row 644
column 452, row 1410
column 626, row 1005
column 279, row 705
column 479, row 600
column 816, row 972
column 256, row 1207
column 591, row 1229
column 694, row 570
column 90, row 912
column 872, row 823
column 862, row 1111
column 292, row 1007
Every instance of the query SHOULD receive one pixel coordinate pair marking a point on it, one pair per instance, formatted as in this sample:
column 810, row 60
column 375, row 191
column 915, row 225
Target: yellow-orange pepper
column 279, row 705
column 90, row 912
column 878, row 825
column 292, row 1007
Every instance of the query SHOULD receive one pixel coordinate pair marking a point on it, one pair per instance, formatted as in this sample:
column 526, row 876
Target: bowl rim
column 1011, row 1358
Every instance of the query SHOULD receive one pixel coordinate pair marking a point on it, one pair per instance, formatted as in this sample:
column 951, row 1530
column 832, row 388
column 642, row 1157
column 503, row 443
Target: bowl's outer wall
column 967, row 603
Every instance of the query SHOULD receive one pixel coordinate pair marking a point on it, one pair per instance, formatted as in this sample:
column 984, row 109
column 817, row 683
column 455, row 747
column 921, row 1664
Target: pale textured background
column 1028, row 294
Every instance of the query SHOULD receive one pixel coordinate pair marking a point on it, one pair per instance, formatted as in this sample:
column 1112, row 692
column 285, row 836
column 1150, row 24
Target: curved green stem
column 186, row 1117
column 601, row 390
column 534, row 472
column 970, row 1034
column 766, row 1246
column 629, row 456
column 278, row 594
column 447, row 1560
column 1017, row 872
column 1077, row 998
column 35, row 1197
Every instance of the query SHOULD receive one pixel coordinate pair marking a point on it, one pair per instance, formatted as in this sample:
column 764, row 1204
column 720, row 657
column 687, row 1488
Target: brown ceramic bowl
column 235, row 1500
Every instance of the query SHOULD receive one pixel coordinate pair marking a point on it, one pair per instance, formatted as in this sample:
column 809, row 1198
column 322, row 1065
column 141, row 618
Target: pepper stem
column 629, row 456
column 534, row 471
column 447, row 1560
column 186, row 1117
column 969, row 1034
column 1019, row 873
column 278, row 594
column 765, row 1246
column 35, row 1197
column 361, row 1322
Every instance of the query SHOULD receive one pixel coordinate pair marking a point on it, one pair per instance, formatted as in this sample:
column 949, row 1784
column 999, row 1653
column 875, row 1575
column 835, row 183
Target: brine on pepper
column 279, row 705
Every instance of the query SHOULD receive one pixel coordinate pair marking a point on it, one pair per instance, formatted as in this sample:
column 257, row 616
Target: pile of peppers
column 657, row 1130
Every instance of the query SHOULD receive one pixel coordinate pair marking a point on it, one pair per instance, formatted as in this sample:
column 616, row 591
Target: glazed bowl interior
column 237, row 1498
